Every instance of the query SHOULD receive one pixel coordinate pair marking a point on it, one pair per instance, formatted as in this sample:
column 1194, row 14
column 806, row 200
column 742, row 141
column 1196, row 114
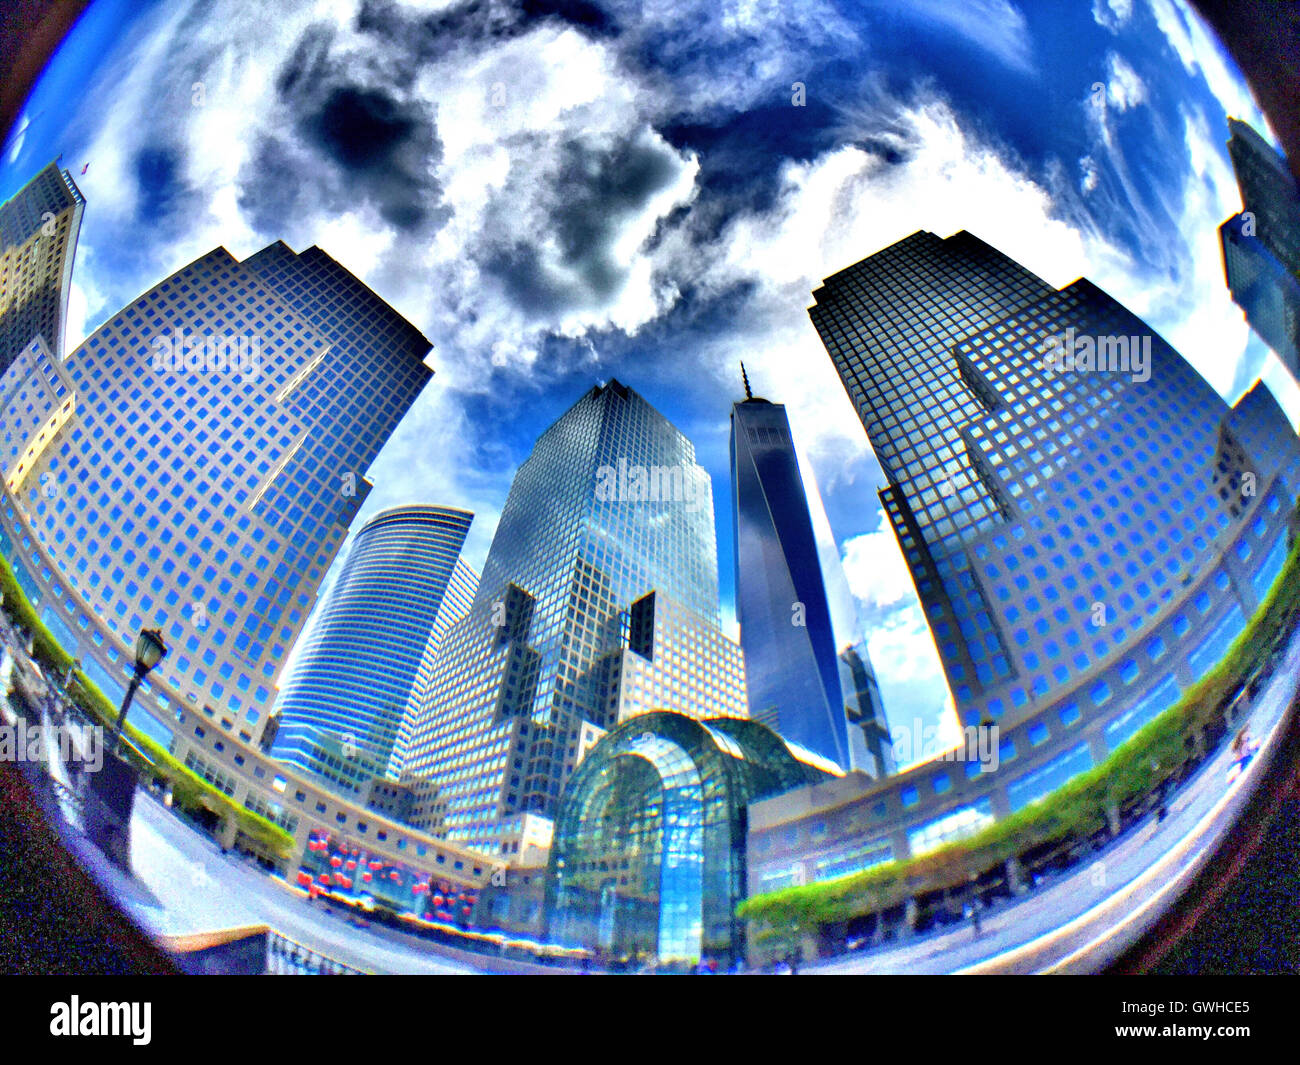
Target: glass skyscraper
column 39, row 226
column 870, row 743
column 341, row 709
column 38, row 239
column 1268, row 191
column 215, row 438
column 456, row 601
column 1261, row 244
column 1068, row 521
column 791, row 669
column 598, row 601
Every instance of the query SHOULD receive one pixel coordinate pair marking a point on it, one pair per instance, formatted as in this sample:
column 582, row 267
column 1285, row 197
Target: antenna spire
column 748, row 393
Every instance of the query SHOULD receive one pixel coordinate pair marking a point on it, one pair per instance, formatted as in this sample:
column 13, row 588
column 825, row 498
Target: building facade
column 791, row 669
column 1086, row 539
column 1261, row 244
column 206, row 474
column 410, row 801
column 456, row 601
column 598, row 601
column 357, row 672
column 1262, row 286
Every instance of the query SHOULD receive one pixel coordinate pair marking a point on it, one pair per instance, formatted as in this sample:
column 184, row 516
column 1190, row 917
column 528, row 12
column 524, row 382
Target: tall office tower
column 791, row 669
column 598, row 601
column 1266, row 291
column 1069, row 493
column 870, row 743
column 1268, row 191
column 38, row 238
column 206, row 479
column 1261, row 244
column 341, row 709
column 456, row 601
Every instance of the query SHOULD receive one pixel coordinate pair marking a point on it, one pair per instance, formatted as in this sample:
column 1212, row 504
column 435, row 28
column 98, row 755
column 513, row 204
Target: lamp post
column 149, row 651
column 110, row 795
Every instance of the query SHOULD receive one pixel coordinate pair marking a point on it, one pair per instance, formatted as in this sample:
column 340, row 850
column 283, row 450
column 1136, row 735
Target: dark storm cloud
column 741, row 156
column 158, row 176
column 411, row 39
column 355, row 136
column 419, row 38
column 575, row 12
column 596, row 192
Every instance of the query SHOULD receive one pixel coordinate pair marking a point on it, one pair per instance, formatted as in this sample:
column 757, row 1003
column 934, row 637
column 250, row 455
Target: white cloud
column 87, row 304
column 1124, row 88
column 1112, row 14
column 74, row 325
column 912, row 685
column 876, row 570
column 137, row 84
column 1284, row 386
column 1198, row 316
column 1089, row 175
column 17, row 137
column 1179, row 288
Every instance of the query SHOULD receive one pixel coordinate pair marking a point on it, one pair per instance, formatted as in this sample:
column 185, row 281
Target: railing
column 251, row 950
column 284, row 957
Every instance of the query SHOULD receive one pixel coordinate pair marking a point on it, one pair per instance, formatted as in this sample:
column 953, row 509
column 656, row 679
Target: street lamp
column 110, row 794
column 149, row 651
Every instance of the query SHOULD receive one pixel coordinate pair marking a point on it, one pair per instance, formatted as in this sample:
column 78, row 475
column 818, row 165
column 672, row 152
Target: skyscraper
column 1263, row 288
column 598, row 601
column 1085, row 528
column 341, row 709
column 1268, row 191
column 870, row 743
column 212, row 456
column 791, row 669
column 38, row 238
column 1261, row 244
column 456, row 601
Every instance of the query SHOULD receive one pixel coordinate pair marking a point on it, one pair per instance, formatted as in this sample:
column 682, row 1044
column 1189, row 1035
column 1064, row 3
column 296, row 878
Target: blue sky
column 563, row 191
